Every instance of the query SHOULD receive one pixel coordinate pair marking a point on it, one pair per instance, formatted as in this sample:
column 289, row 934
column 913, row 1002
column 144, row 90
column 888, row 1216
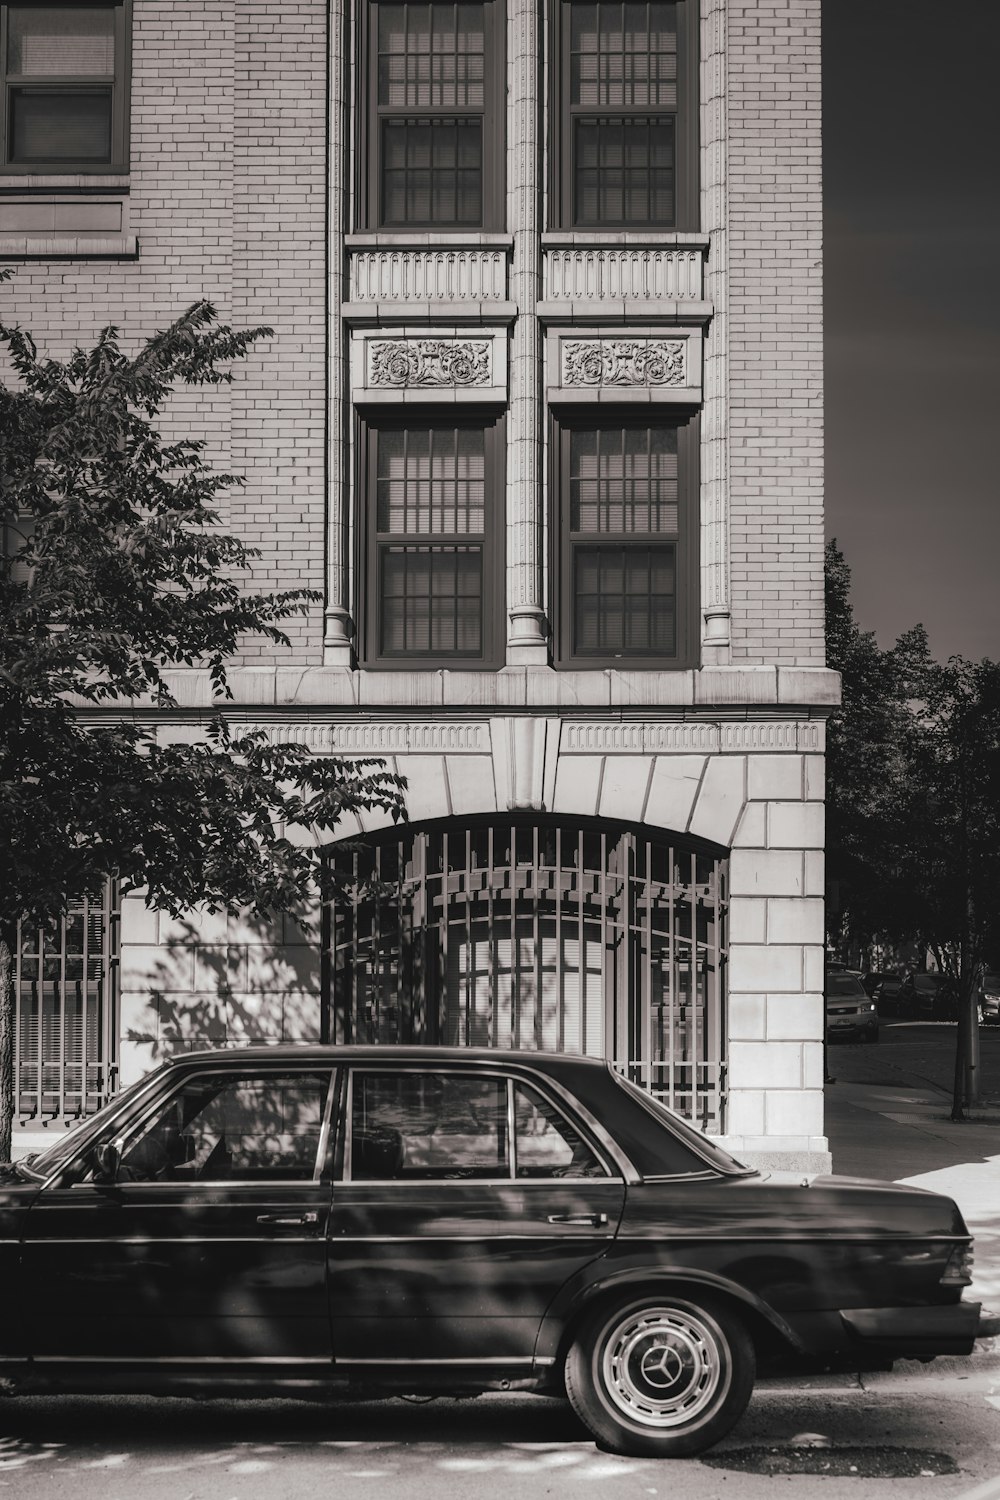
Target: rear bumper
column 918, row 1332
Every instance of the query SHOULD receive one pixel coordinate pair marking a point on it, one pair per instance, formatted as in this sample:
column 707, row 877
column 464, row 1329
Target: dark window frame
column 370, row 113
column 561, row 127
column 562, row 546
column 119, row 84
column 367, row 571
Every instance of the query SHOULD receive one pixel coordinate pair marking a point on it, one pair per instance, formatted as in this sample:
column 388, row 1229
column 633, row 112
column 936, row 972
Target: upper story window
column 432, row 529
column 65, row 88
column 625, row 541
column 432, row 148
column 624, row 126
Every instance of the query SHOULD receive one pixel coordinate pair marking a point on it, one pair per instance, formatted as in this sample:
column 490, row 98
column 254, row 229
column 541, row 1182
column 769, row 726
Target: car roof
column 557, row 1064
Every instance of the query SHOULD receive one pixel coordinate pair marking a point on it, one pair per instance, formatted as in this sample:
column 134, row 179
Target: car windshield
column 928, row 981
column 844, row 984
column 991, row 982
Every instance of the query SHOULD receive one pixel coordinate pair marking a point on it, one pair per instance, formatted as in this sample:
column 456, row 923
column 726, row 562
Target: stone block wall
column 756, row 788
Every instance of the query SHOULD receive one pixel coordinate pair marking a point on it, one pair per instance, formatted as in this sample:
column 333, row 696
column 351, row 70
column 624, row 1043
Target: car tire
column 661, row 1376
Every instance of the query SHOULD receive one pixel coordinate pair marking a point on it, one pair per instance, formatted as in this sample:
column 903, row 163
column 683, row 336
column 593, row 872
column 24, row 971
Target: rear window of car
column 844, row 984
column 668, row 1146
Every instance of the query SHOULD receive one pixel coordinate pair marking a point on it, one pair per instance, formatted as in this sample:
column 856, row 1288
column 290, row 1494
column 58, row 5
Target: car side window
column 412, row 1125
column 229, row 1126
column 545, row 1143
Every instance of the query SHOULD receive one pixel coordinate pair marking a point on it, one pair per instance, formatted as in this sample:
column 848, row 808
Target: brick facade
column 239, row 122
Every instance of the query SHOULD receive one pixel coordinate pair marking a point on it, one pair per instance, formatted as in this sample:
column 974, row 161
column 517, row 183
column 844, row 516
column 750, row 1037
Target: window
column 66, row 1036
column 432, row 152
column 534, row 932
column 625, row 545
column 433, row 528
column 545, row 1143
column 406, row 1125
column 440, row 1125
column 226, row 1126
column 624, row 121
column 65, row 90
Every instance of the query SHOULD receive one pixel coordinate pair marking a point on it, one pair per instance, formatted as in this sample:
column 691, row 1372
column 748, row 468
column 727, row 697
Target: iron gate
column 540, row 933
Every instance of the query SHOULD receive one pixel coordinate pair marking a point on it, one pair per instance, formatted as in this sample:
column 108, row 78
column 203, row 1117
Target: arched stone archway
column 532, row 930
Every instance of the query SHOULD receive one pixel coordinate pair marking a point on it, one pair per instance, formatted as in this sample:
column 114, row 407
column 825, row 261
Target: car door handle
column 291, row 1219
column 597, row 1221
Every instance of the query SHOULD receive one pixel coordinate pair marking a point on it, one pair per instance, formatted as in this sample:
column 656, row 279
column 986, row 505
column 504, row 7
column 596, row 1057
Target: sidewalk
column 887, row 1116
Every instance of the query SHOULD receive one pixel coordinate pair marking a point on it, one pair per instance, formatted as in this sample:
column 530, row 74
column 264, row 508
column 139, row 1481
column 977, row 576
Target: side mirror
column 107, row 1162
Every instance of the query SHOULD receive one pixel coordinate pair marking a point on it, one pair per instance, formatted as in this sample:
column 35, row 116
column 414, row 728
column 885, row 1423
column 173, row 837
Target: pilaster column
column 716, row 640
column 337, row 636
column 526, row 629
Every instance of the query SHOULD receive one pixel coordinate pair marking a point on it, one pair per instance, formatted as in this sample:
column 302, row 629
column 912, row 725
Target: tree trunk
column 966, row 1087
column 7, row 1023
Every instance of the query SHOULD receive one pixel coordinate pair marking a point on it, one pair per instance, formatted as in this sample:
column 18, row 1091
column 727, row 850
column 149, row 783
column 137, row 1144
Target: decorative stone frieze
column 408, row 362
column 623, row 362
column 576, row 274
column 411, row 275
column 378, row 739
column 586, row 365
column 409, row 366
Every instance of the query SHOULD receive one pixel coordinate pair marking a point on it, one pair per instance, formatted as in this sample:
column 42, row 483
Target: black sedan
column 933, row 996
column 382, row 1220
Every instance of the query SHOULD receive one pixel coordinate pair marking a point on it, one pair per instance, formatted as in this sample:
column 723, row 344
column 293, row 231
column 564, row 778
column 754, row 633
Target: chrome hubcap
column 663, row 1366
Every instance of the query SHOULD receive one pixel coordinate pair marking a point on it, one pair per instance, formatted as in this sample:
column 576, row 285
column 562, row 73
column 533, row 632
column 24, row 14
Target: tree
column 913, row 797
column 869, row 752
column 115, row 570
column 955, row 855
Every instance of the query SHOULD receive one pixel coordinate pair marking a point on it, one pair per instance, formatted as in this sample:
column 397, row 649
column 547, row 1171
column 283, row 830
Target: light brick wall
column 776, row 354
column 228, row 176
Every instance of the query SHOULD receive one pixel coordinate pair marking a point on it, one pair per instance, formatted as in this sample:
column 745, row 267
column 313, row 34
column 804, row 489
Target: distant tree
column 955, row 849
column 869, row 751
column 913, row 801
column 113, row 571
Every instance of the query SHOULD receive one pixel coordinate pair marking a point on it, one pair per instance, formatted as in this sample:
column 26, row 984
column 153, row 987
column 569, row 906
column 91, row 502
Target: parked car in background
column 849, row 1010
column 988, row 1000
column 873, row 981
column 315, row 1221
column 930, row 996
column 889, row 991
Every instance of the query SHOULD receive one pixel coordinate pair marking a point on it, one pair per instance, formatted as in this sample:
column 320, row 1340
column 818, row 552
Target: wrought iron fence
column 539, row 933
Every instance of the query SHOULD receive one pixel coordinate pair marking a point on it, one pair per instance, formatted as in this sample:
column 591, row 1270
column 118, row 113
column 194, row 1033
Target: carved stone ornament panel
column 403, row 363
column 624, row 362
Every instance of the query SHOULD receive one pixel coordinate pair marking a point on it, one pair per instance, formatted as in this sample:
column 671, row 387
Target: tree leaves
column 114, row 571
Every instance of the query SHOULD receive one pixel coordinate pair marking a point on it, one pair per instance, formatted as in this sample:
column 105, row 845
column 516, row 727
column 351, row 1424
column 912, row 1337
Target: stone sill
column 429, row 239
column 474, row 311
column 68, row 247
column 80, row 182
column 623, row 310
column 580, row 239
column 631, row 395
column 739, row 692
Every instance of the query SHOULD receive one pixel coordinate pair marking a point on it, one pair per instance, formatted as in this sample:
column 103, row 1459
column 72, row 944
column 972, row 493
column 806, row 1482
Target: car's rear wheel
column 662, row 1377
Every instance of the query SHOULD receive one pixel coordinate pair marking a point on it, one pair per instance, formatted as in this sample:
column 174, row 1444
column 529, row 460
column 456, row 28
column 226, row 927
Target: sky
column 911, row 131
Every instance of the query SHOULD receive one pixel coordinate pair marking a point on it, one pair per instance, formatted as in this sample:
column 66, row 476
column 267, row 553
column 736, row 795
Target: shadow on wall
column 218, row 981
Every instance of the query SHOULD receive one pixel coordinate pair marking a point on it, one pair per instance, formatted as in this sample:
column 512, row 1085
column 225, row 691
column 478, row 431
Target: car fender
column 599, row 1281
